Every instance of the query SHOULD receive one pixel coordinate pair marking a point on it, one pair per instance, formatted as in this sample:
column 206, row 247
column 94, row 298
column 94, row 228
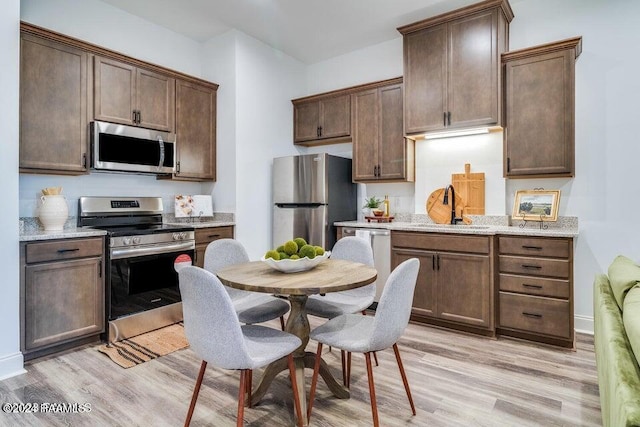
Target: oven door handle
column 151, row 250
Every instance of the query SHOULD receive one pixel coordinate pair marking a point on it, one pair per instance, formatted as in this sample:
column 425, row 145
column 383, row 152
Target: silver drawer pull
column 534, row 315
column 533, row 248
column 63, row 251
column 535, row 267
column 526, row 285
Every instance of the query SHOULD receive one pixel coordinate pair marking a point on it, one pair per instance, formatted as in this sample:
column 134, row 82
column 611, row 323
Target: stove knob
column 183, row 235
column 136, row 240
column 176, row 236
column 126, row 241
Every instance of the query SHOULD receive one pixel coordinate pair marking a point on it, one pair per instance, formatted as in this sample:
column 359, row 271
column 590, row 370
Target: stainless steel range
column 142, row 292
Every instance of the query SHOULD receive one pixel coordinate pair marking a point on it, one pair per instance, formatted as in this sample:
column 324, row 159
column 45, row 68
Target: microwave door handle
column 161, row 144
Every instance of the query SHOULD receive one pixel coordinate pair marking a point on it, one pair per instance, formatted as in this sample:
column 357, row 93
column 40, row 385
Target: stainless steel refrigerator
column 310, row 193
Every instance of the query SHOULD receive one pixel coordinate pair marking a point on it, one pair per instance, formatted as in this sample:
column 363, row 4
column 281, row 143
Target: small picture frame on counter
column 536, row 205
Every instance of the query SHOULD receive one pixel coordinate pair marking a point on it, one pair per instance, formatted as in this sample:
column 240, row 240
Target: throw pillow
column 623, row 275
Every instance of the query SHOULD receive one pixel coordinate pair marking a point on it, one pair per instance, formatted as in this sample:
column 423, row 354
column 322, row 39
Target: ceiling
column 308, row 30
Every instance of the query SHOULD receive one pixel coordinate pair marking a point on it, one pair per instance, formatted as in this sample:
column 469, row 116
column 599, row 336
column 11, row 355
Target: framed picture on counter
column 536, row 205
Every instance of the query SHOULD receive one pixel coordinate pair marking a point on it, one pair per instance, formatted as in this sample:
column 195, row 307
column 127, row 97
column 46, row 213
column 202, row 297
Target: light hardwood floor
column 456, row 380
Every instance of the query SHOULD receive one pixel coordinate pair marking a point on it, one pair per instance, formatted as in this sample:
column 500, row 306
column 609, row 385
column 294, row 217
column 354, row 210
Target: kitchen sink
column 452, row 226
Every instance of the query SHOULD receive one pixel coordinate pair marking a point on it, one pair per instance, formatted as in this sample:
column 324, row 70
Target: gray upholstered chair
column 366, row 334
column 357, row 300
column 252, row 307
column 214, row 333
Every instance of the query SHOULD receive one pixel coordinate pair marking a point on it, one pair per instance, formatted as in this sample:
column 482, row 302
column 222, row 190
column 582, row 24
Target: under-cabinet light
column 463, row 132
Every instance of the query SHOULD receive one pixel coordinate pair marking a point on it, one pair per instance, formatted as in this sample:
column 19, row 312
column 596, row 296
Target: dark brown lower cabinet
column 455, row 281
column 536, row 289
column 204, row 236
column 62, row 294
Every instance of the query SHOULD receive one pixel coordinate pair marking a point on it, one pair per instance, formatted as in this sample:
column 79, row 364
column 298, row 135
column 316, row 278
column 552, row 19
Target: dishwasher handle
column 372, row 231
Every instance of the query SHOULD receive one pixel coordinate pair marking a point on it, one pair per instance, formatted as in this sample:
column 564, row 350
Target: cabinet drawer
column 207, row 235
column 532, row 246
column 535, row 286
column 535, row 266
column 535, row 314
column 441, row 242
column 63, row 249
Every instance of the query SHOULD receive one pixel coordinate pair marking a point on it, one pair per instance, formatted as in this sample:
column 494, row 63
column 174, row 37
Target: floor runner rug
column 142, row 348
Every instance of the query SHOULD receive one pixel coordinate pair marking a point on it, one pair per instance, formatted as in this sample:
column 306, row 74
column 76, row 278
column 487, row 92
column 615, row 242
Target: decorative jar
column 53, row 212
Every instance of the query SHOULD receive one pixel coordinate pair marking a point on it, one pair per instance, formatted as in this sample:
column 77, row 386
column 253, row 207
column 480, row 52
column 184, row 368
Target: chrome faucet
column 445, row 201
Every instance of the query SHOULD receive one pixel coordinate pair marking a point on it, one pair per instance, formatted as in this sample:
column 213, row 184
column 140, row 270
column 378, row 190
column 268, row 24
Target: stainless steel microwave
column 121, row 148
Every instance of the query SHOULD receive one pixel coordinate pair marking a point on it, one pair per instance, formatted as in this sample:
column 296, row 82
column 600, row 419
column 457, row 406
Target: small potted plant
column 370, row 204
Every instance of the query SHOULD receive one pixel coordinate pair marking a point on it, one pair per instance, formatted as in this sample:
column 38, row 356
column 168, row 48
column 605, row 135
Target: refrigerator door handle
column 298, row 205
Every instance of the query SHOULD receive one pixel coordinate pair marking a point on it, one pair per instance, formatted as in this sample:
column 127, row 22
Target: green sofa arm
column 618, row 371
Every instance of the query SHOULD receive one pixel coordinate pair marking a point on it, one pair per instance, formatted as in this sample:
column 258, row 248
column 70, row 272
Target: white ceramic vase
column 53, row 212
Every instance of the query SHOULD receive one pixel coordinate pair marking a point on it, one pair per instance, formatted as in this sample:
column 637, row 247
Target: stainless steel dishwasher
column 381, row 244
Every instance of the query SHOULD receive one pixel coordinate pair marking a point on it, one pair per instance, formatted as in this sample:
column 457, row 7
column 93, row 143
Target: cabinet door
column 335, row 116
column 306, row 121
column 464, row 289
column 204, row 236
column 63, row 300
column 424, row 296
column 540, row 115
column 425, row 78
column 114, row 91
column 155, row 100
column 473, row 70
column 365, row 135
column 392, row 154
column 196, row 131
column 53, row 106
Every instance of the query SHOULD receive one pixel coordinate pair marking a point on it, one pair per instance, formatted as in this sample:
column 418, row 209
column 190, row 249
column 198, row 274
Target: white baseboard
column 583, row 324
column 11, row 365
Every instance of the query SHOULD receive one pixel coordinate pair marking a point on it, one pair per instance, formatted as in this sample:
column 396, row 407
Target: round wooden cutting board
column 441, row 213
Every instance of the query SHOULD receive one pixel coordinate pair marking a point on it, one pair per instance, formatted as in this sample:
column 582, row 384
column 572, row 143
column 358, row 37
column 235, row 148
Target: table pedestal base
column 306, row 362
column 298, row 324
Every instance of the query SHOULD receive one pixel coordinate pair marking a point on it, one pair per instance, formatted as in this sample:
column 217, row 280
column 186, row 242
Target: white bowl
column 295, row 265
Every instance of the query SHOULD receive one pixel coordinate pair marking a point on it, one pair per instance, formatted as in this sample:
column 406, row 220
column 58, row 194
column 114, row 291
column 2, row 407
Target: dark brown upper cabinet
column 196, row 131
column 53, row 106
column 452, row 68
column 539, row 89
column 380, row 151
column 124, row 93
column 322, row 119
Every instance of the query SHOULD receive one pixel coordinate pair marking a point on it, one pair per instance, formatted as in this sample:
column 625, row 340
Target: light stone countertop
column 32, row 230
column 33, row 235
column 532, row 229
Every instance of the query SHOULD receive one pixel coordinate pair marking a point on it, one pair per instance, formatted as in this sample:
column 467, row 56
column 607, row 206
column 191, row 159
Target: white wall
column 606, row 111
column 219, row 65
column 104, row 25
column 603, row 194
column 112, row 28
column 10, row 356
column 266, row 82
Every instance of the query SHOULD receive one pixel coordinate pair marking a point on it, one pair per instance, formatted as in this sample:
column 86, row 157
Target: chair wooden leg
column 348, row 385
column 404, row 377
column 344, row 367
column 294, row 386
column 282, row 322
column 243, row 388
column 196, row 391
column 314, row 380
column 249, row 387
column 372, row 391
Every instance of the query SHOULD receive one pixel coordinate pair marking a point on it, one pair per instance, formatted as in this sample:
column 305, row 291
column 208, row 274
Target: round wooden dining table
column 332, row 275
